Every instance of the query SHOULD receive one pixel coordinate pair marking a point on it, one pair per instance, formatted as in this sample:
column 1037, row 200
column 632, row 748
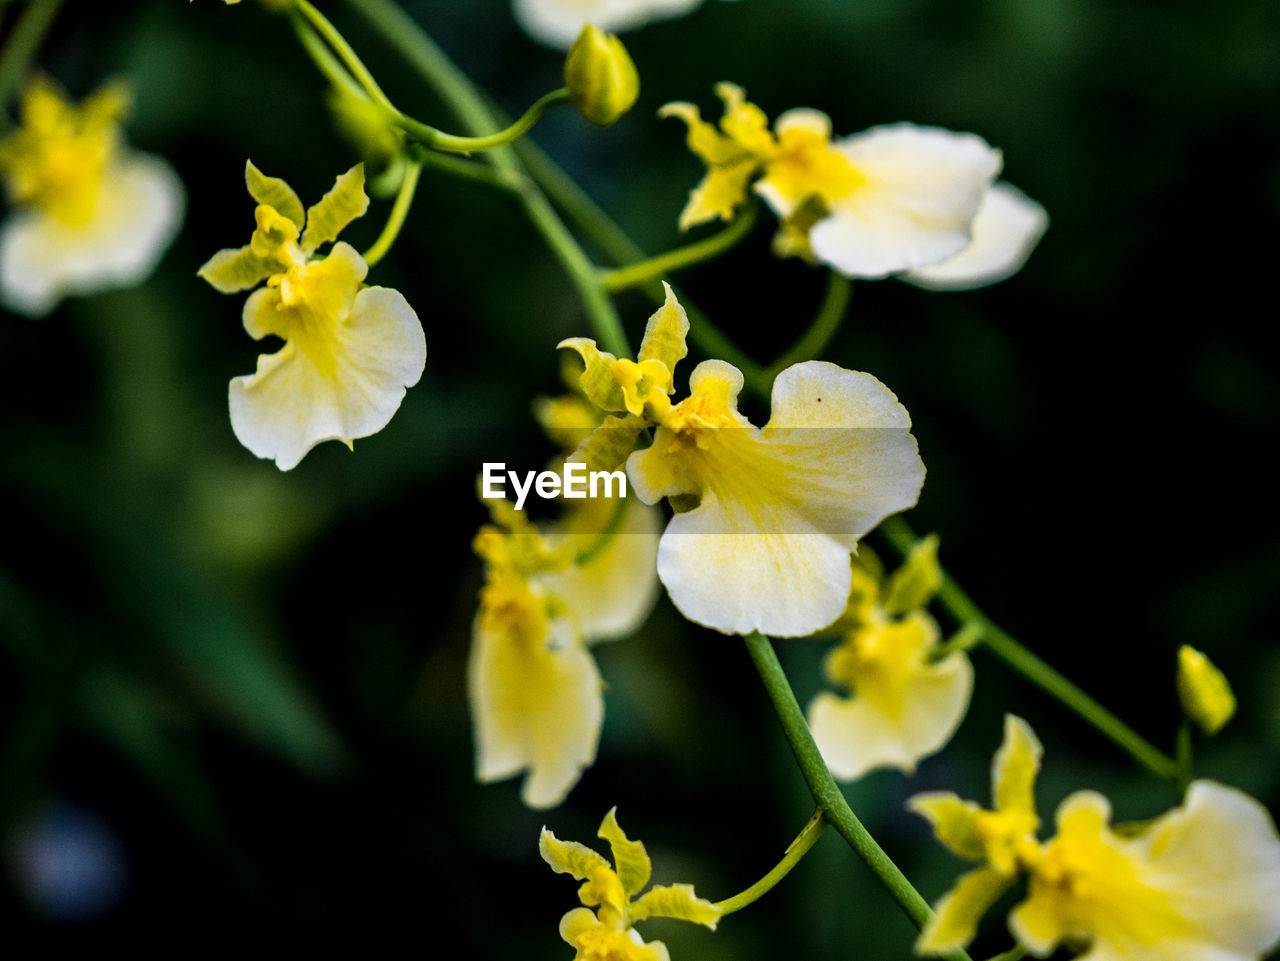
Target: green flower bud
column 601, row 76
column 1204, row 691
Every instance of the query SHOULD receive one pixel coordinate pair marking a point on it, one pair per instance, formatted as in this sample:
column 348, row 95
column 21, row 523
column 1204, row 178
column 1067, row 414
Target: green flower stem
column 796, row 850
column 835, row 305
column 395, row 220
column 482, row 173
column 402, row 34
column 826, row 793
column 18, row 53
column 621, row 249
column 1185, row 755
column 450, row 143
column 959, row 605
column 963, row 640
column 345, row 53
column 1016, row 953
column 656, row 268
column 322, row 56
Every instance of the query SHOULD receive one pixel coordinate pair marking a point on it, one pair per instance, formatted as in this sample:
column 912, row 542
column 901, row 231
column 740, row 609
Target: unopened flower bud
column 1204, row 691
column 601, row 76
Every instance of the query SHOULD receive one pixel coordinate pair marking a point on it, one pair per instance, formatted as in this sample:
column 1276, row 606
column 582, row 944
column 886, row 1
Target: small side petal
column 1006, row 230
column 1015, row 766
column 630, row 860
column 676, row 901
column 570, row 857
column 273, row 192
column 665, row 333
column 956, row 917
column 344, row 202
column 954, row 822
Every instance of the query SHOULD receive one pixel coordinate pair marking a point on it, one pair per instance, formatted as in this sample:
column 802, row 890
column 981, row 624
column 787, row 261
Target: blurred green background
column 232, row 695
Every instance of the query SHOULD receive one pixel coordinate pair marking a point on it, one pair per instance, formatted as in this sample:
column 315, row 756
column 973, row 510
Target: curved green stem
column 395, row 220
column 655, row 268
column 482, row 173
column 21, row 48
column 1016, row 953
column 796, row 850
column 429, row 136
column 322, row 56
column 345, row 53
column 961, row 607
column 826, row 793
column 835, row 305
column 402, row 34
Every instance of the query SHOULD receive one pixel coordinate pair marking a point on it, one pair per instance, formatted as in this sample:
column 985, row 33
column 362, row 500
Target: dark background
column 239, row 694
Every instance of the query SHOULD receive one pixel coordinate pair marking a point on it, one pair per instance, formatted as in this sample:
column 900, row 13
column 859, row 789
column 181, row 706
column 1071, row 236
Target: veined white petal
column 42, row 259
column 1007, row 228
column 923, row 187
column 557, row 23
column 538, row 709
column 289, row 405
column 856, row 736
column 767, row 548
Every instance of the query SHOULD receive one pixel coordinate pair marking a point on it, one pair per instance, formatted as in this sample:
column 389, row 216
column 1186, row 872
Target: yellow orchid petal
column 574, row 859
column 597, row 382
column 805, row 167
column 665, row 335
column 234, row 269
column 955, row 821
column 956, row 917
column 743, row 122
column 676, row 901
column 921, row 190
column 1006, row 229
column 630, row 860
column 607, row 447
column 536, row 704
column 273, row 192
column 1014, row 768
column 567, row 420
column 903, row 709
column 913, row 584
column 344, row 202
column 722, row 191
column 767, row 546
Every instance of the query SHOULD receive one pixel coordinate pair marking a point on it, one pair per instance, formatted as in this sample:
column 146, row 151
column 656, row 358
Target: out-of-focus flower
column 600, row 76
column 767, row 516
column 895, row 199
column 1204, row 691
column 905, row 705
column 535, row 691
column 1199, row 883
column 93, row 214
column 557, row 23
column 606, row 933
column 350, row 351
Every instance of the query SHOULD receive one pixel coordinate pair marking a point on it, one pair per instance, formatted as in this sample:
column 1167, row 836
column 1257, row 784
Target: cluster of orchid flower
column 766, row 524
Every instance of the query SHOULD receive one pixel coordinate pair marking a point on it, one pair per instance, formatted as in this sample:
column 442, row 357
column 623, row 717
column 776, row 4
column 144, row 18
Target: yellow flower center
column 644, row 383
column 57, row 159
column 880, row 660
column 1092, row 885
column 510, row 609
column 804, row 166
column 607, row 944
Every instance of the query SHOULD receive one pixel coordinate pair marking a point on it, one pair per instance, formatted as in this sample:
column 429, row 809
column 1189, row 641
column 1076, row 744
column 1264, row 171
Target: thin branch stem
column 395, row 220
column 656, row 268
column 345, row 53
column 961, row 607
column 796, row 850
column 826, row 793
column 451, row 143
column 322, row 56
column 18, row 53
column 835, row 305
